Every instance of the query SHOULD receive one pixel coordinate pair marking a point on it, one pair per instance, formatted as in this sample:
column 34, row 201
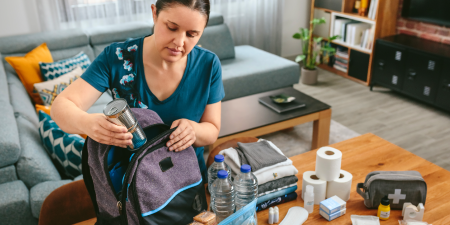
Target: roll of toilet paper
column 320, row 186
column 328, row 163
column 340, row 187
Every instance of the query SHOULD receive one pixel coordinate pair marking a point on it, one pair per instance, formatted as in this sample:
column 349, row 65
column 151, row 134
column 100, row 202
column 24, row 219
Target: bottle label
column 384, row 214
column 310, row 203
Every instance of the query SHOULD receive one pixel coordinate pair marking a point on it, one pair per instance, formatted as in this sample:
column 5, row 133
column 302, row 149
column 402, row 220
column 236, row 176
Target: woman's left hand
column 183, row 136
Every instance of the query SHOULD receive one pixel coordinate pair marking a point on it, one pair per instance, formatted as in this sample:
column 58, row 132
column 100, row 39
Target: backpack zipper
column 124, row 219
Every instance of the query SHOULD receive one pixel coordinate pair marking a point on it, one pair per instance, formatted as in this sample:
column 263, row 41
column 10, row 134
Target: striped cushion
column 53, row 70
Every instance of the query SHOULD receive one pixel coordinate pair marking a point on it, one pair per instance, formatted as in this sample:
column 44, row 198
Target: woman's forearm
column 206, row 133
column 68, row 116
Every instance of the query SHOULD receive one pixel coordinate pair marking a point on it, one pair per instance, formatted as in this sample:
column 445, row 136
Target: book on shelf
column 370, row 39
column 342, row 52
column 355, row 33
column 345, row 30
column 339, row 68
column 341, row 60
column 343, row 65
column 338, row 27
column 373, row 9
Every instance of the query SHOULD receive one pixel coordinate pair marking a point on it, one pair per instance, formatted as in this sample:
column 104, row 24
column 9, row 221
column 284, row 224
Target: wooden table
column 246, row 117
column 365, row 154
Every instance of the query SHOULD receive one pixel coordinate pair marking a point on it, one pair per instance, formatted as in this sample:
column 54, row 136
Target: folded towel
column 275, row 190
column 276, row 194
column 276, row 201
column 259, row 155
column 263, row 175
column 278, row 183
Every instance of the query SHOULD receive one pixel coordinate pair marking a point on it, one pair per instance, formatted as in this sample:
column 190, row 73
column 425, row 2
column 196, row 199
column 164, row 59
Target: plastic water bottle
column 223, row 196
column 246, row 186
column 217, row 165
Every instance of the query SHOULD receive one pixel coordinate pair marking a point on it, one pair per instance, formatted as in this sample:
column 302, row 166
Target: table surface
column 247, row 113
column 365, row 154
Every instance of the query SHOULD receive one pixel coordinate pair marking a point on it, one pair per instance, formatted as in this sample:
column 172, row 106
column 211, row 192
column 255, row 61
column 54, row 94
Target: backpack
column 151, row 185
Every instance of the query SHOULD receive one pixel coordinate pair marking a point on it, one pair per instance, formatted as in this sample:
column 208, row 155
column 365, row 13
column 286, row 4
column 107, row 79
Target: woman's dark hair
column 200, row 5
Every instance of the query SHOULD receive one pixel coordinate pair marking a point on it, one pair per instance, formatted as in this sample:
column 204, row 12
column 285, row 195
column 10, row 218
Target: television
column 429, row 11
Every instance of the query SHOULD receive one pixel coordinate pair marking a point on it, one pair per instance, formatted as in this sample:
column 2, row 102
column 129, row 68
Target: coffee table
column 365, row 154
column 246, row 117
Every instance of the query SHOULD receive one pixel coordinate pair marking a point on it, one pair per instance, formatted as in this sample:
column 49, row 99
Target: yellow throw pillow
column 46, row 109
column 27, row 67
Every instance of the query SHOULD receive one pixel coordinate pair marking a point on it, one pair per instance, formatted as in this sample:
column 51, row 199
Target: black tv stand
column 416, row 67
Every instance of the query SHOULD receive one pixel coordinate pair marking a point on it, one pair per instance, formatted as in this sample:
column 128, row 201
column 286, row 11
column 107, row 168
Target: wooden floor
column 410, row 124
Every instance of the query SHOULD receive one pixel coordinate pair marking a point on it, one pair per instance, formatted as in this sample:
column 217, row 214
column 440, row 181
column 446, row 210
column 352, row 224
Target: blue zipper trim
column 170, row 199
column 240, row 212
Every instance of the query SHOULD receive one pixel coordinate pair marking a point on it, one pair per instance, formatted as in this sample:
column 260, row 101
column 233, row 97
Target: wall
column 18, row 17
column 423, row 30
column 296, row 14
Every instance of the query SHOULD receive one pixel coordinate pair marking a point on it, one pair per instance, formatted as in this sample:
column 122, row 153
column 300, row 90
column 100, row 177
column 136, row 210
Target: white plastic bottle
column 246, row 186
column 223, row 194
column 309, row 199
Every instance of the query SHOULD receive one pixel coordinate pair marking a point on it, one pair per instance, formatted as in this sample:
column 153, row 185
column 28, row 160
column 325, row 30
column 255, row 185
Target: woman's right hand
column 98, row 127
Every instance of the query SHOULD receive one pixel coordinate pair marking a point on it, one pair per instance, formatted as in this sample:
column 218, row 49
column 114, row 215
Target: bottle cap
column 309, row 189
column 222, row 174
column 246, row 168
column 219, row 158
column 385, row 200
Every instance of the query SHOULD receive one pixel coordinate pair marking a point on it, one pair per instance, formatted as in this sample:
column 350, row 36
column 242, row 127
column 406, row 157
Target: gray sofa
column 27, row 174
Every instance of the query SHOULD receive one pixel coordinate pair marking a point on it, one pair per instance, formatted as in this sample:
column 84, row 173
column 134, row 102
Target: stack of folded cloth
column 277, row 182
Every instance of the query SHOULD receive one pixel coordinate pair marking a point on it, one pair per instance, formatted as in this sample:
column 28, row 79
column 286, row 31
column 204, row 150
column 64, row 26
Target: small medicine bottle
column 309, row 199
column 384, row 210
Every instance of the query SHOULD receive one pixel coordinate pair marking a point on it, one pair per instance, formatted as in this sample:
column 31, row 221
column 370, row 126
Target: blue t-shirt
column 201, row 83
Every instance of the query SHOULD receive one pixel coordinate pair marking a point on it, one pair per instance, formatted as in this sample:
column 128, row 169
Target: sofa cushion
column 27, row 68
column 8, row 174
column 100, row 104
column 54, row 39
column 215, row 18
column 50, row 71
column 60, row 54
column 50, row 89
column 218, row 40
column 119, row 32
column 34, row 165
column 254, row 71
column 39, row 192
column 20, row 100
column 65, row 149
column 99, row 48
column 78, row 178
column 15, row 204
column 9, row 136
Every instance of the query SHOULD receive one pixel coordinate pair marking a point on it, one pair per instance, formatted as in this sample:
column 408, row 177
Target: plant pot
column 309, row 77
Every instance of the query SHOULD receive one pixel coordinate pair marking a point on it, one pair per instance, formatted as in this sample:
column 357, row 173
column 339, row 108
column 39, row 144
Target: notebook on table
column 281, row 107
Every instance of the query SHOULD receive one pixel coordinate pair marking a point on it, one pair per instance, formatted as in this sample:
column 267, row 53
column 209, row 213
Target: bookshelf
column 383, row 24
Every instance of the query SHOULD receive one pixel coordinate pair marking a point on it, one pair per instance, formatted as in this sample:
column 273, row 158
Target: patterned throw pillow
column 65, row 149
column 52, row 71
column 48, row 90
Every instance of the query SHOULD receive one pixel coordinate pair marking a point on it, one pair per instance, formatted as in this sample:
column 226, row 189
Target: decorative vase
column 309, row 77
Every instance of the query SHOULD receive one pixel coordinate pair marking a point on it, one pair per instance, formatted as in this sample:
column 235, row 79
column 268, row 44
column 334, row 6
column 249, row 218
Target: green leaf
column 316, row 21
column 334, row 37
column 318, row 39
column 300, row 58
column 304, row 33
column 297, row 36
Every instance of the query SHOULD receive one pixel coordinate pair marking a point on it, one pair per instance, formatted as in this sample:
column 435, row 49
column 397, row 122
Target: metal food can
column 119, row 113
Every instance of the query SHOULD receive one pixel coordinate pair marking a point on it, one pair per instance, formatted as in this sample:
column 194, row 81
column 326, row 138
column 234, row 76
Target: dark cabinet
column 358, row 66
column 335, row 5
column 422, row 76
column 443, row 95
column 416, row 67
column 388, row 65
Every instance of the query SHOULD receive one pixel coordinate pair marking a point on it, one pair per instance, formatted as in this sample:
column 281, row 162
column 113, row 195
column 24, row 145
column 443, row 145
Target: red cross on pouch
column 397, row 196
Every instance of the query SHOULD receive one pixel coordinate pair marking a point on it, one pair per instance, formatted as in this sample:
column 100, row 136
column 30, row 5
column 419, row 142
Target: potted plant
column 311, row 49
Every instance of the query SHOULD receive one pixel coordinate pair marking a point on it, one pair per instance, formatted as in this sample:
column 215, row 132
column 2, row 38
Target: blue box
column 333, row 215
column 332, row 205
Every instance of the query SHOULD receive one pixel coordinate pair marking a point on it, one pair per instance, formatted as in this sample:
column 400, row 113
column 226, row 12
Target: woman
column 165, row 72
